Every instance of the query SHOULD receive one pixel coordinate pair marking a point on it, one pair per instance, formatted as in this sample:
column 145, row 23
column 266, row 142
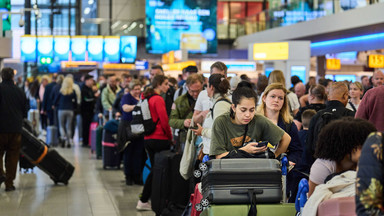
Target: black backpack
column 142, row 123
column 324, row 119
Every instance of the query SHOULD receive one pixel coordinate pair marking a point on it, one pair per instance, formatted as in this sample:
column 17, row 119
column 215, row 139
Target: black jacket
column 47, row 102
column 333, row 106
column 13, row 107
column 88, row 99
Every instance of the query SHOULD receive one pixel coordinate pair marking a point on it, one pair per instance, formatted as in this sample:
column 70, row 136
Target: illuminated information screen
column 128, row 49
column 28, row 48
column 78, row 48
column 271, row 51
column 181, row 24
column 95, row 48
column 44, row 47
column 111, row 49
column 61, row 47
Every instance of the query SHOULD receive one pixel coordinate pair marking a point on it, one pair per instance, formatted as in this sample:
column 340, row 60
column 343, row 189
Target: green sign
column 46, row 60
column 5, row 5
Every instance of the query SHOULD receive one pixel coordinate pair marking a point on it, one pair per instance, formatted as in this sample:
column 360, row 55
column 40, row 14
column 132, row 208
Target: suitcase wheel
column 104, row 167
column 197, row 173
column 199, row 207
column 204, row 202
column 56, row 182
column 203, row 167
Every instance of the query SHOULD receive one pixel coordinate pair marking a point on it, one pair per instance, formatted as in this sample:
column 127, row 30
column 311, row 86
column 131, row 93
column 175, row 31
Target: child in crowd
column 306, row 119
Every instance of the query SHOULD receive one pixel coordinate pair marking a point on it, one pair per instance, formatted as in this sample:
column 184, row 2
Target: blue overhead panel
column 128, row 49
column 44, row 47
column 78, row 48
column 61, row 47
column 28, row 48
column 95, row 48
column 181, row 24
column 112, row 49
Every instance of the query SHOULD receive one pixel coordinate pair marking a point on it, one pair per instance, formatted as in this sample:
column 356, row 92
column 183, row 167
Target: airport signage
column 333, row 64
column 376, row 61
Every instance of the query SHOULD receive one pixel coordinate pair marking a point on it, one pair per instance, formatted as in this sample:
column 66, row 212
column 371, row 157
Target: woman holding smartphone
column 232, row 131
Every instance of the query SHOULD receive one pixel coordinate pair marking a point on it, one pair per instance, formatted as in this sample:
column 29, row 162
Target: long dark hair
column 220, row 84
column 239, row 94
column 156, row 81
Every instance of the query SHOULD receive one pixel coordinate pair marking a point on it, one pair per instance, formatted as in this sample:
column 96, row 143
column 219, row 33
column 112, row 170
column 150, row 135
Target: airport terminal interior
column 105, row 48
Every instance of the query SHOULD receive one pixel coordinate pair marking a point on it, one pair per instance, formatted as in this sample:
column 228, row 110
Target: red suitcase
column 344, row 206
column 195, row 200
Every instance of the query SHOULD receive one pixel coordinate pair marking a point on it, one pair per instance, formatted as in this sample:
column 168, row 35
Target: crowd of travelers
column 324, row 127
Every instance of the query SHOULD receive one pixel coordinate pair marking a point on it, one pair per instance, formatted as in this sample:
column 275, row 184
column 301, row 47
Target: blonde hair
column 284, row 111
column 67, row 86
column 358, row 85
column 276, row 76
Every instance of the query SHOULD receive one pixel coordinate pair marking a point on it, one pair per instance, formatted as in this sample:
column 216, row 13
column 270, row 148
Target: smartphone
column 262, row 144
column 194, row 128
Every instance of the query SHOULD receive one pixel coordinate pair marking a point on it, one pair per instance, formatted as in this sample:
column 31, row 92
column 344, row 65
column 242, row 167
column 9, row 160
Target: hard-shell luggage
column 286, row 209
column 229, row 181
column 25, row 164
column 48, row 160
column 98, row 145
column 344, row 206
column 34, row 118
column 52, row 136
column 169, row 189
column 92, row 136
column 58, row 169
column 111, row 156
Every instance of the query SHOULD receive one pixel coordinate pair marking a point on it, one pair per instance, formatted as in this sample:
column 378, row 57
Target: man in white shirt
column 203, row 104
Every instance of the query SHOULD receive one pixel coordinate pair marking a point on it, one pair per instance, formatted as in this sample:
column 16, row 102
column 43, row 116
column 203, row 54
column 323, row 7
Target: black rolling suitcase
column 170, row 192
column 48, row 160
column 233, row 181
column 110, row 154
column 58, row 169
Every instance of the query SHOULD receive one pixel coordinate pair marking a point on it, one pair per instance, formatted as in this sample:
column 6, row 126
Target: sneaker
column 11, row 188
column 143, row 206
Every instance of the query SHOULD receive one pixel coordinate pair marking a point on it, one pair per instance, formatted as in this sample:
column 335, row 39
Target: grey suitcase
column 52, row 136
column 233, row 181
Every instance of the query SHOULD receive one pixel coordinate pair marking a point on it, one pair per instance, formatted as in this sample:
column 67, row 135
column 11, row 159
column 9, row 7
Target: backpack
column 221, row 99
column 142, row 123
column 324, row 119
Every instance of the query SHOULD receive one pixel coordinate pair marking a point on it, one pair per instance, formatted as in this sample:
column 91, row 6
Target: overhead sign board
column 333, row 64
column 271, row 51
column 376, row 61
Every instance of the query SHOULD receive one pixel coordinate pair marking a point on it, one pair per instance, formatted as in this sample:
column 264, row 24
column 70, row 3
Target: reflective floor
column 91, row 191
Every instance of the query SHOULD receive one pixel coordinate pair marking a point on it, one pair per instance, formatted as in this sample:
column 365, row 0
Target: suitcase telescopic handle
column 247, row 191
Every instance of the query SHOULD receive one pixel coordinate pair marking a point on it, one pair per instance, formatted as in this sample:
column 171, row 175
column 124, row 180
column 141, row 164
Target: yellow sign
column 271, row 51
column 178, row 66
column 193, row 42
column 119, row 66
column 333, row 64
column 376, row 61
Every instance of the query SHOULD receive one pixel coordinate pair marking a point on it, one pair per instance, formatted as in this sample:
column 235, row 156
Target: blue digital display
column 268, row 71
column 111, row 49
column 95, row 48
column 61, row 48
column 28, row 48
column 78, row 48
column 299, row 71
column 181, row 24
column 128, row 49
column 44, row 47
column 142, row 65
column 329, row 76
column 343, row 77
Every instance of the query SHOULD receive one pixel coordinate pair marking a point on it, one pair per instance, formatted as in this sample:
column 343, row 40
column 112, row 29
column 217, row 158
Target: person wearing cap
column 88, row 100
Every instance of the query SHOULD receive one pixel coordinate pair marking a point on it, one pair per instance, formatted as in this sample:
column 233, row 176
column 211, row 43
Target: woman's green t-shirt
column 227, row 136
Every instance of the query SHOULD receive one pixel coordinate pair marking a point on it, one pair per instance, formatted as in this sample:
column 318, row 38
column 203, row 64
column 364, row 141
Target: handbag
column 187, row 160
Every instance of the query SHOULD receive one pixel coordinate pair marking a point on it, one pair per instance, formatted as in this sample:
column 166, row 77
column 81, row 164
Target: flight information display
column 44, row 47
column 111, row 49
column 28, row 48
column 128, row 49
column 78, row 48
column 61, row 47
column 181, row 24
column 95, row 48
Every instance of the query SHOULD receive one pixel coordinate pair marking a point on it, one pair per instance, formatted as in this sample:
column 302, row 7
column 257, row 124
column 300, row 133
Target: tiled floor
column 91, row 191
